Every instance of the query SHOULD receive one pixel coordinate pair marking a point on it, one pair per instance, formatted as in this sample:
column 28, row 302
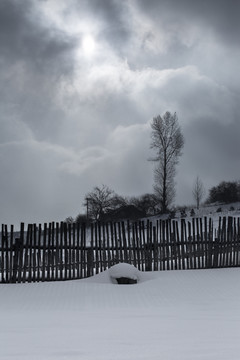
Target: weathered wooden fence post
column 16, row 251
column 90, row 262
column 3, row 275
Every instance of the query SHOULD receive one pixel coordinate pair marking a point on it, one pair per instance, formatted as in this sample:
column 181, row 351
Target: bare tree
column 198, row 191
column 99, row 201
column 168, row 141
column 146, row 203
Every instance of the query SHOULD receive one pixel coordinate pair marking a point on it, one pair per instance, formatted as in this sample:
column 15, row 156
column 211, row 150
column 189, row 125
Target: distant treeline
column 103, row 204
column 226, row 192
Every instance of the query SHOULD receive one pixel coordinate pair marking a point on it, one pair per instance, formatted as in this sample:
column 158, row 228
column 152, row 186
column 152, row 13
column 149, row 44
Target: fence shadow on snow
column 60, row 251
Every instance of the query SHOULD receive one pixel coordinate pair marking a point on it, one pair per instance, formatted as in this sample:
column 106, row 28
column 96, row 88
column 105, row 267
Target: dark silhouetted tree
column 99, row 201
column 225, row 192
column 146, row 203
column 168, row 142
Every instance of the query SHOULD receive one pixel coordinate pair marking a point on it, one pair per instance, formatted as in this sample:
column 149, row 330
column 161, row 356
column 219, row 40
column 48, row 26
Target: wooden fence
column 60, row 251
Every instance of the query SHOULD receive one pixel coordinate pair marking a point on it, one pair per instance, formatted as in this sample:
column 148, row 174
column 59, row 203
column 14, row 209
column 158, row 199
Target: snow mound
column 123, row 270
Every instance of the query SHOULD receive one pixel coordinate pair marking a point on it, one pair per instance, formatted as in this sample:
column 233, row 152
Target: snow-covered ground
column 167, row 315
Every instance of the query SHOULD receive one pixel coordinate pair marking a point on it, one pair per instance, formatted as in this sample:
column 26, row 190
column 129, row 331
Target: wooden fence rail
column 60, row 251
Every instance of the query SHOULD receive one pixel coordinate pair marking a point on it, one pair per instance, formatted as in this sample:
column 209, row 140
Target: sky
column 80, row 82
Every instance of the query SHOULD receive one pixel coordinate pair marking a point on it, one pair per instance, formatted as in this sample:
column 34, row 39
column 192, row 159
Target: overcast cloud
column 80, row 82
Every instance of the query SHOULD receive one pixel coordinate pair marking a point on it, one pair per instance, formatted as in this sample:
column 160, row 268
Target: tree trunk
column 164, row 195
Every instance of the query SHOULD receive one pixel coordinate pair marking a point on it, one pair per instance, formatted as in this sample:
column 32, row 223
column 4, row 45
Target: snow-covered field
column 168, row 315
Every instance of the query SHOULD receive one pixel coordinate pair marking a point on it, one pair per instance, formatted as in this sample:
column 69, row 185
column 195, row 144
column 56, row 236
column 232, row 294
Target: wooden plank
column 211, row 243
column 208, row 253
column 25, row 256
column 139, row 236
column 193, row 241
column 131, row 244
column 34, row 253
column 7, row 254
column 229, row 240
column 104, row 249
column 140, row 243
column 69, row 247
column 7, row 270
column 95, row 249
column 78, row 266
column 89, row 254
column 155, row 249
column 189, row 241
column 166, row 244
column 112, row 243
column 205, row 243
column 238, row 242
column 15, row 261
column 224, row 241
column 53, row 253
column 201, row 266
column 171, row 248
column 109, row 247
column 11, row 253
column 83, row 272
column 220, row 242
column 161, row 247
column 57, row 269
column 39, row 253
column 235, row 243
column 195, row 244
column 135, row 247
column 99, row 247
column 61, row 251
column 65, row 250
column 173, row 241
column 49, row 252
column 150, row 247
column 145, row 240
column 217, row 249
column 172, row 245
column 126, row 252
column 117, row 258
column 232, row 243
column 198, row 244
column 2, row 255
column 119, row 240
column 73, row 251
column 176, row 238
column 30, row 254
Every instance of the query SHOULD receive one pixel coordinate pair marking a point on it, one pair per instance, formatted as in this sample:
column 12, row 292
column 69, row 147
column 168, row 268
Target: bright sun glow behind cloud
column 88, row 45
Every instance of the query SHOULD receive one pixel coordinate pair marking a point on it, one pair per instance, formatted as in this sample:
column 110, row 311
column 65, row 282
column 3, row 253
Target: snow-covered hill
column 213, row 211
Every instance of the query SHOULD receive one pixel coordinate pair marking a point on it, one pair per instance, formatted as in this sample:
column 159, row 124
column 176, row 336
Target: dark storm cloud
column 222, row 16
column 24, row 37
column 34, row 56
